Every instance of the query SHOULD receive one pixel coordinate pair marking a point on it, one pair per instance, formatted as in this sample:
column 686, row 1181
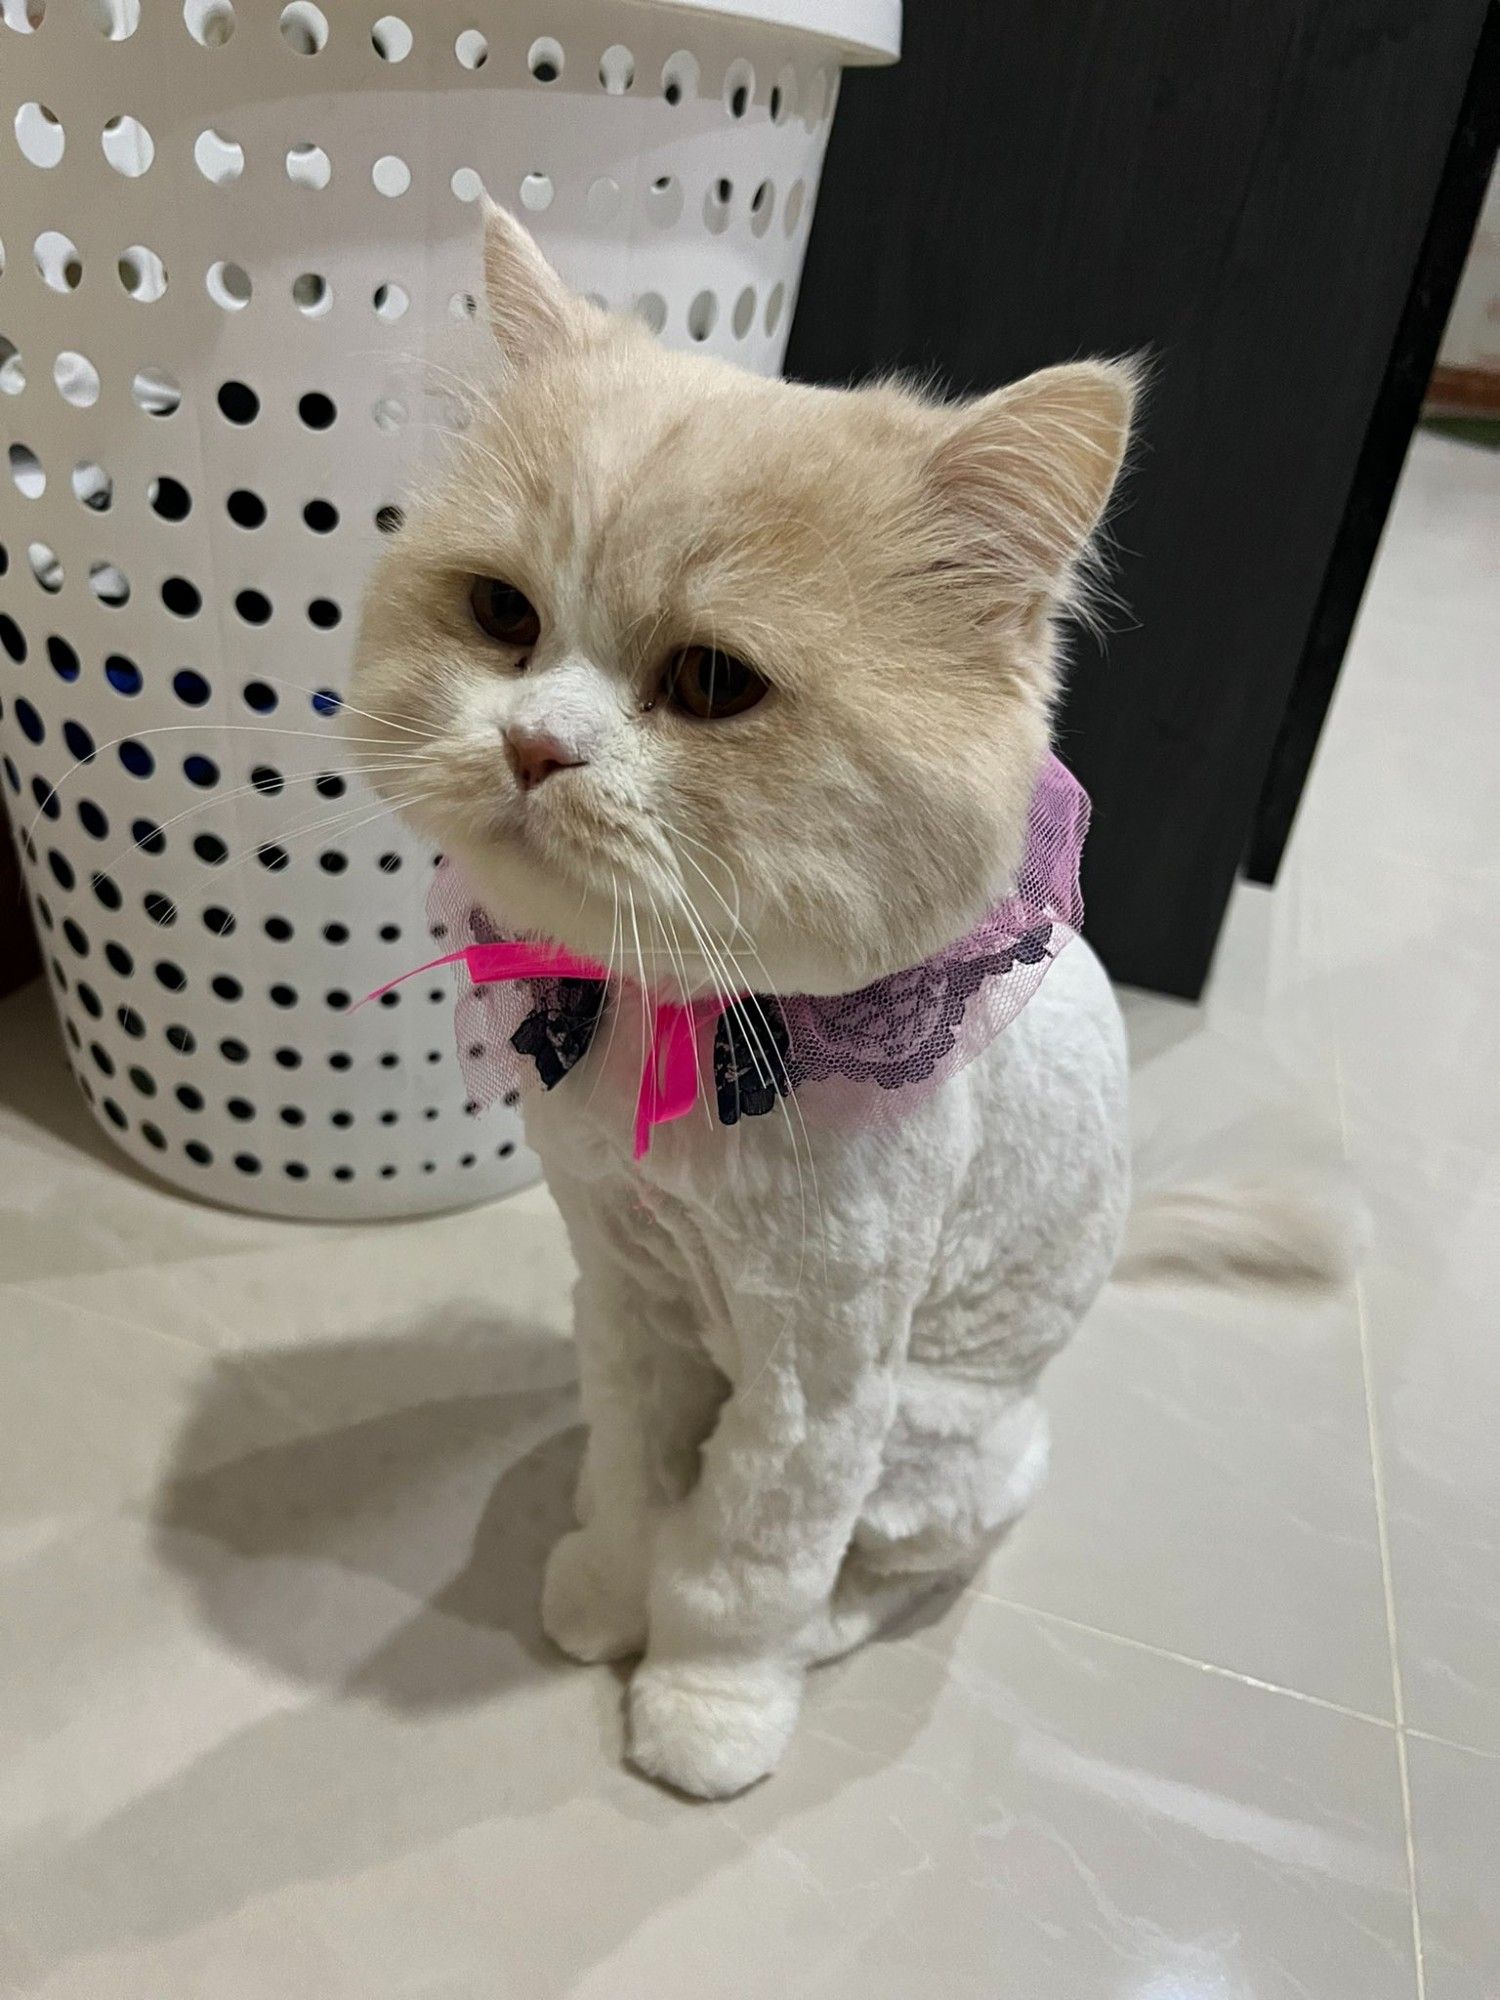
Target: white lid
column 864, row 31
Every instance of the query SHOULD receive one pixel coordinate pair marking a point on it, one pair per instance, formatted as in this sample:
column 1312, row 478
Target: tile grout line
column 1383, row 1540
column 1185, row 1659
column 1398, row 1700
column 1452, row 1743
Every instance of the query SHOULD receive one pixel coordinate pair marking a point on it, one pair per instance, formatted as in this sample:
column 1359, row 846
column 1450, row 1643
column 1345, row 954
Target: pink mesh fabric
column 484, row 1017
column 915, row 1029
column 851, row 1055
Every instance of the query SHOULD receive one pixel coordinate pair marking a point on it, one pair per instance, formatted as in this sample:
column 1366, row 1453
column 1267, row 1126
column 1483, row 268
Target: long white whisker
column 733, row 913
column 613, row 996
column 675, row 955
column 789, row 1111
column 192, row 728
column 215, row 799
column 345, row 706
column 341, row 823
column 641, row 969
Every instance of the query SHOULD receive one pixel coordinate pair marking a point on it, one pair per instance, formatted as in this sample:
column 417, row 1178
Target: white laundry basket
column 228, row 228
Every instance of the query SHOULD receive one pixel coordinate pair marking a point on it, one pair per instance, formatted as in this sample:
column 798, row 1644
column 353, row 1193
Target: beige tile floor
column 1223, row 1723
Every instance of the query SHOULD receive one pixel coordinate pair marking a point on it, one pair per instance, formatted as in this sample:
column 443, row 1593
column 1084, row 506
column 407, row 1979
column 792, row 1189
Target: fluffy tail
column 1287, row 1231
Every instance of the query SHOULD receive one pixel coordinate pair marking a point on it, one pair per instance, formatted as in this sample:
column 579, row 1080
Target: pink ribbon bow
column 669, row 1073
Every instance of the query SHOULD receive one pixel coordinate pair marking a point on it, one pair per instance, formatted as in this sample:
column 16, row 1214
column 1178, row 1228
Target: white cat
column 732, row 686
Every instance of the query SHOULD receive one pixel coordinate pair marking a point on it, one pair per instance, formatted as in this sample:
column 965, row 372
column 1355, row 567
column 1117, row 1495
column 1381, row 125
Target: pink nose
column 536, row 754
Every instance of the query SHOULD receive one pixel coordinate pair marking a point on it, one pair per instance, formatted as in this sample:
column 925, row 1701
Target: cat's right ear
column 531, row 310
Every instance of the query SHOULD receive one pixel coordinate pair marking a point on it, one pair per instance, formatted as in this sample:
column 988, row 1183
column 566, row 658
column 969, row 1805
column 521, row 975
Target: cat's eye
column 502, row 611
column 704, row 682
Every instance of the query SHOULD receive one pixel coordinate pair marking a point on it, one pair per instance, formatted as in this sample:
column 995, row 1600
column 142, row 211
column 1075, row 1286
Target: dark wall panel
column 1240, row 188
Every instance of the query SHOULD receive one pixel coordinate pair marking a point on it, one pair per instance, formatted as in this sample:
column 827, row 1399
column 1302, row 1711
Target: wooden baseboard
column 1463, row 392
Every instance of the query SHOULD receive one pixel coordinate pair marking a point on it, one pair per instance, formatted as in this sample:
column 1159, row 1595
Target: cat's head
column 749, row 678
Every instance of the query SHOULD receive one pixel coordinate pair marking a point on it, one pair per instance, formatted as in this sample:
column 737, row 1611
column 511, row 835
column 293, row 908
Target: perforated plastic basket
column 228, row 230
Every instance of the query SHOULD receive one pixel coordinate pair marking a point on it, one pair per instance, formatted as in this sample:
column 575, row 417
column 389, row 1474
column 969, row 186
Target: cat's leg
column 649, row 1397
column 963, row 1462
column 744, row 1567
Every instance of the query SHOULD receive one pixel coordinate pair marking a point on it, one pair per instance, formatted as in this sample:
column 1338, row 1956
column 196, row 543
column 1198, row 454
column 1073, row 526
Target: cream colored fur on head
column 893, row 566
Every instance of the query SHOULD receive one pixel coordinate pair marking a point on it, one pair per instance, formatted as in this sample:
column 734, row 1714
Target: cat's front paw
column 711, row 1728
column 591, row 1609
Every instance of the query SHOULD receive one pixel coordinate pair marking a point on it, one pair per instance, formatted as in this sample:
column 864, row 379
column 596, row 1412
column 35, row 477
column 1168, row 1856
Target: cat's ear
column 1022, row 476
column 531, row 310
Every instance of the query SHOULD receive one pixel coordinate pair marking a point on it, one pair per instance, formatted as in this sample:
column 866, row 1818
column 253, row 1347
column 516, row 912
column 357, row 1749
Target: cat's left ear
column 531, row 310
column 1023, row 475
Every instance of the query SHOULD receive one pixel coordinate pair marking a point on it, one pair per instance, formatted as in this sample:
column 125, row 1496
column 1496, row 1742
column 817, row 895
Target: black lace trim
column 559, row 1031
column 752, row 1059
column 900, row 1029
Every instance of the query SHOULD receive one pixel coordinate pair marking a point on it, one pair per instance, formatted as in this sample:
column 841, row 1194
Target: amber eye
column 505, row 613
column 708, row 684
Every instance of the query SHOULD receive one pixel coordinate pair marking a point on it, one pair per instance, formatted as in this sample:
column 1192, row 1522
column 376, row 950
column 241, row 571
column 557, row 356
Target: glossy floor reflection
column 278, row 1717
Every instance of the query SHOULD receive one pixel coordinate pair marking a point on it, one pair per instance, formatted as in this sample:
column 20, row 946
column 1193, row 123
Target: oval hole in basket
column 545, row 59
column 128, row 146
column 117, row 20
column 58, row 260
column 603, row 200
column 209, row 22
column 26, row 470
column 739, row 87
column 156, row 392
column 92, row 486
column 229, row 286
column 219, row 159
column 109, row 583
column 304, row 28
column 142, row 273
column 663, row 200
column 312, row 294
column 717, row 204
column 391, row 175
column 617, row 69
column 391, row 38
column 679, row 76
column 39, row 134
column 652, row 308
column 307, row 165
column 169, row 499
column 77, row 379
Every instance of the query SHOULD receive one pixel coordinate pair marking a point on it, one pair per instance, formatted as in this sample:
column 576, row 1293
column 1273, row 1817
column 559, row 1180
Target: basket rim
column 863, row 31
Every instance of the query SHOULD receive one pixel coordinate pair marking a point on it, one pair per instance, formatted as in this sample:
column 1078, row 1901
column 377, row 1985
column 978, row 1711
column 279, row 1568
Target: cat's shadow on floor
column 395, row 1553
column 363, row 1524
column 371, row 1517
